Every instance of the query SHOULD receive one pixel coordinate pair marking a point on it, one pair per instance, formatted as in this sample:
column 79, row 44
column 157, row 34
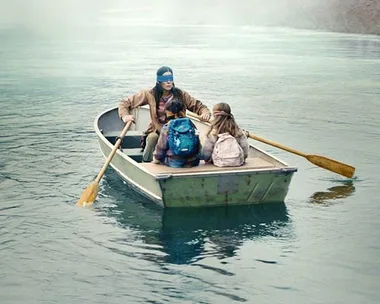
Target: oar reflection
column 333, row 193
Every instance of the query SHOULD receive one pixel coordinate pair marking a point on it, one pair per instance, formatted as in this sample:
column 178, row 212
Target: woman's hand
column 205, row 116
column 127, row 118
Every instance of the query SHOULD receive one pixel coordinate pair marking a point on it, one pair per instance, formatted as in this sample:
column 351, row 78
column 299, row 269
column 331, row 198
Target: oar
column 89, row 195
column 318, row 160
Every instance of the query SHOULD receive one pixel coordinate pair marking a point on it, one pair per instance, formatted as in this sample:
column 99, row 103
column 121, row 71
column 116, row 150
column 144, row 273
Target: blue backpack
column 182, row 137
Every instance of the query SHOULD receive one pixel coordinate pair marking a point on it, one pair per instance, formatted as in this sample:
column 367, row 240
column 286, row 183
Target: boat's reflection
column 188, row 234
column 185, row 233
column 333, row 193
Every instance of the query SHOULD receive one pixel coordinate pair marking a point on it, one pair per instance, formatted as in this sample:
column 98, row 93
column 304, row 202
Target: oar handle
column 272, row 143
column 114, row 149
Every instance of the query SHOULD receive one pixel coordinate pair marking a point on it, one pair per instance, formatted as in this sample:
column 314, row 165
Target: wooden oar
column 318, row 160
column 89, row 195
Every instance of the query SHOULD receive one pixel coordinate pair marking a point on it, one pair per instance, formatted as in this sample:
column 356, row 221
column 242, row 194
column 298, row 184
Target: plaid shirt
column 161, row 108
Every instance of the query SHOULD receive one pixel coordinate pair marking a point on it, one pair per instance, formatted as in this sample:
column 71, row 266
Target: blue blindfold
column 164, row 78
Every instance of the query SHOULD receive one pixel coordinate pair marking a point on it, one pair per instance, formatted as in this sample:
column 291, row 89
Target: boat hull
column 198, row 187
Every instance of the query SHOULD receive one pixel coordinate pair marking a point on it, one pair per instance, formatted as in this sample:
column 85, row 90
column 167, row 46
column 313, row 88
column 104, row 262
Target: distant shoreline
column 349, row 16
column 337, row 30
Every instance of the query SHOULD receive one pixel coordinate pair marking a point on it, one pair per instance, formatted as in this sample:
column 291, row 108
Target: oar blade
column 331, row 165
column 89, row 195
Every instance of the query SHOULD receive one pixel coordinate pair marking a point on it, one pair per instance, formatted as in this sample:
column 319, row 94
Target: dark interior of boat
column 130, row 145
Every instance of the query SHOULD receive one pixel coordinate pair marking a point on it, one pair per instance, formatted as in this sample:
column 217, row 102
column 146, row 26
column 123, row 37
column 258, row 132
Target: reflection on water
column 333, row 193
column 187, row 235
column 185, row 232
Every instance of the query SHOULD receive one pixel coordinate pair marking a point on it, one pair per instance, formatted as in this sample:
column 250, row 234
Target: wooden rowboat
column 262, row 179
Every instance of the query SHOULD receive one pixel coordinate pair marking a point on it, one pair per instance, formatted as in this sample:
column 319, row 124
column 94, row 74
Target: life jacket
column 227, row 152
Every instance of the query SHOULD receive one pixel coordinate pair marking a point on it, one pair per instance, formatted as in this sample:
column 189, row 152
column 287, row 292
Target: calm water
column 316, row 92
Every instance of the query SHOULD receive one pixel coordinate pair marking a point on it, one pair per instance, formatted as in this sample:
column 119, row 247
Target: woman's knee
column 152, row 137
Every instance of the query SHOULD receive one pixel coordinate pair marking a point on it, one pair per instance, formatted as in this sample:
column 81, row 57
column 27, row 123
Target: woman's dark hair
column 224, row 121
column 175, row 106
column 163, row 70
column 158, row 91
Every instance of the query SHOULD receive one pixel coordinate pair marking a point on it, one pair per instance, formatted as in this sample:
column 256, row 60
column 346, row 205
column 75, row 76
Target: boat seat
column 134, row 153
column 131, row 139
column 251, row 163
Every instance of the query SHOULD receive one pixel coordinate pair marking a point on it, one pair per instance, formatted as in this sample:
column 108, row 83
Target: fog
column 38, row 13
column 44, row 15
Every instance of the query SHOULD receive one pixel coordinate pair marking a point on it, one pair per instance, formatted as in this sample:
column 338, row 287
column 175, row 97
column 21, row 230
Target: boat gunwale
column 224, row 173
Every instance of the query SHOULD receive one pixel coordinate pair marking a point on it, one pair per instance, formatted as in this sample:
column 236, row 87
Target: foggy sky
column 39, row 12
column 328, row 14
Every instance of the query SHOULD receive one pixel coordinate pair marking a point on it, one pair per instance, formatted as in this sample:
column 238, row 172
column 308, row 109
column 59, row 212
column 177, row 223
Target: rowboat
column 262, row 179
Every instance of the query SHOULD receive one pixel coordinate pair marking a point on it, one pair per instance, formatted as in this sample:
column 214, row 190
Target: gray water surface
column 313, row 91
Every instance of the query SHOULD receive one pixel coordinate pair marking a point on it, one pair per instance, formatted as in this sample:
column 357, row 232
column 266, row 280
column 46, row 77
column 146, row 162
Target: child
column 225, row 144
column 178, row 144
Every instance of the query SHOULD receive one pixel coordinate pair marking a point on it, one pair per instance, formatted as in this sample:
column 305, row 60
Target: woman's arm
column 194, row 105
column 129, row 103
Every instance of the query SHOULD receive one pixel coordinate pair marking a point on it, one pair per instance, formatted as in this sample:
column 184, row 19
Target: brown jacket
column 145, row 97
